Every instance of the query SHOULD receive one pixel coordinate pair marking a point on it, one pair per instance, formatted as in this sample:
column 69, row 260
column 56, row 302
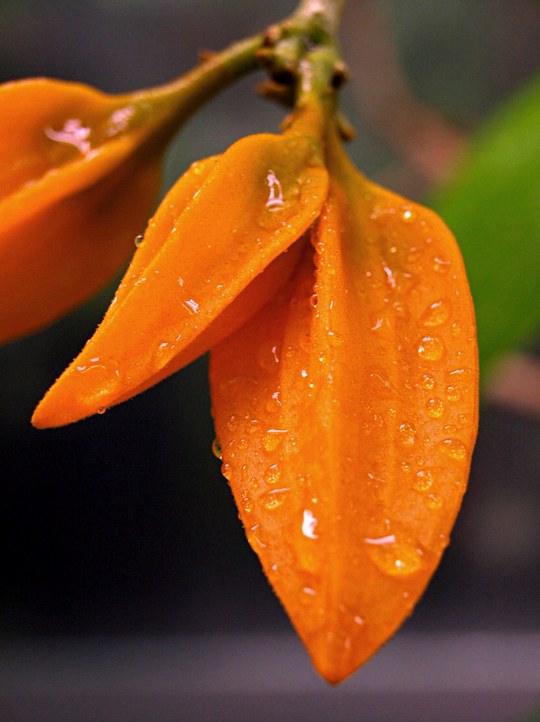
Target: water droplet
column 254, row 538
column 216, row 449
column 357, row 619
column 453, row 393
column 428, row 382
column 413, row 255
column 435, row 408
column 226, row 471
column 434, row 501
column 407, row 434
column 380, row 540
column 273, row 474
column 191, row 306
column 102, row 410
column 441, row 265
column 247, row 505
column 313, row 300
column 73, row 133
column 395, row 557
column 335, row 338
column 455, row 329
column 275, row 193
column 390, row 277
column 273, row 438
column 138, row 240
column 409, row 216
column 268, row 357
column 424, row 480
column 103, row 377
column 454, row 448
column 271, row 500
column 309, row 522
column 430, row 348
column 437, row 314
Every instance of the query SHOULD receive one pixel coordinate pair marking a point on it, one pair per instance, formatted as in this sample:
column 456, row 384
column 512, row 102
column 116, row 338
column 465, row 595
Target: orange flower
column 76, row 185
column 343, row 372
column 80, row 172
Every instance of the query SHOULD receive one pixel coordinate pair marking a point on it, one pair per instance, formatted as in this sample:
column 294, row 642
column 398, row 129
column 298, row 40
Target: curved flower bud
column 80, row 172
column 79, row 175
column 197, row 262
column 346, row 411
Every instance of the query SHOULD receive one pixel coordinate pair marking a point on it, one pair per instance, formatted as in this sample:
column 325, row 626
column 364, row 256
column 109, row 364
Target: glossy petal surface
column 57, row 138
column 60, row 256
column 78, row 179
column 262, row 195
column 346, row 411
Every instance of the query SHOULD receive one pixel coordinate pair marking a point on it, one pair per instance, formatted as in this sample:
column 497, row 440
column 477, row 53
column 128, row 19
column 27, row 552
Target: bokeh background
column 126, row 571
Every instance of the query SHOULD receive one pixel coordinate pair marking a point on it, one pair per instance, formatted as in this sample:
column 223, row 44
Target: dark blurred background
column 121, row 527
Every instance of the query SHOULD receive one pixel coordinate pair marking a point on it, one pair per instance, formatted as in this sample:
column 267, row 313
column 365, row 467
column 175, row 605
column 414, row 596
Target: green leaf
column 493, row 207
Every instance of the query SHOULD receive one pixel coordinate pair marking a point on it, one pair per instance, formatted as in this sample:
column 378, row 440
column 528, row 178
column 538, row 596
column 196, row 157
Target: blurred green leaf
column 493, row 207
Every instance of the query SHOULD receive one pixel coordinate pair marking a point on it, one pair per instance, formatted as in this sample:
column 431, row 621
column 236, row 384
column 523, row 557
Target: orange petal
column 261, row 196
column 66, row 225
column 346, row 412
column 57, row 138
column 62, row 255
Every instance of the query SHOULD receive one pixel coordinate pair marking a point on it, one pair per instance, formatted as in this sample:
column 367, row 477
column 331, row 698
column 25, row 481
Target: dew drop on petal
column 424, row 480
column 309, row 523
column 73, row 133
column 441, row 265
column 434, row 501
column 273, row 438
column 271, row 500
column 191, row 306
column 275, row 193
column 428, row 382
column 435, row 408
column 247, row 505
column 409, row 216
column 103, row 375
column 437, row 314
column 394, row 557
column 407, row 434
column 430, row 348
column 453, row 393
column 273, row 474
column 454, row 448
column 334, row 338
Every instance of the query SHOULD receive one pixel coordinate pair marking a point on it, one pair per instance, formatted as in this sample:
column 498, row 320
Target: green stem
column 305, row 47
column 189, row 92
column 329, row 11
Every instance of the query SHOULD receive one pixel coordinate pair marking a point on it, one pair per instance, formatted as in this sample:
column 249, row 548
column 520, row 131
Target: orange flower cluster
column 340, row 325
